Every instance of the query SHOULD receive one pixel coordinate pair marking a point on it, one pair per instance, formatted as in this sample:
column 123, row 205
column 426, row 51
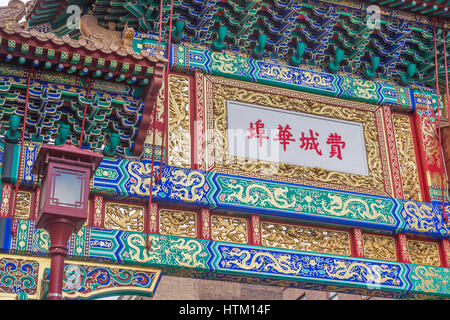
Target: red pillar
column 445, row 250
column 205, row 224
column 255, row 233
column 60, row 229
column 357, row 243
column 402, row 248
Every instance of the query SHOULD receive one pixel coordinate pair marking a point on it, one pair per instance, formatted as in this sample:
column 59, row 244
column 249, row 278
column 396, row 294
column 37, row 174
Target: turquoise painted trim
column 268, row 72
column 120, row 178
column 241, row 262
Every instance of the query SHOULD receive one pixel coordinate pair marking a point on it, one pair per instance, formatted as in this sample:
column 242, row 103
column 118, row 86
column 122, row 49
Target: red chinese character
column 310, row 143
column 258, row 131
column 336, row 145
column 284, row 135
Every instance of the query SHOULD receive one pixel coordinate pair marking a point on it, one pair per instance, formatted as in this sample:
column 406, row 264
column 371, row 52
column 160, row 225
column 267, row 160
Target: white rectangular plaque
column 281, row 136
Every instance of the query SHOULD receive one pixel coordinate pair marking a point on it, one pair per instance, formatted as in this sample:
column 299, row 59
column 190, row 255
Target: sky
column 3, row 3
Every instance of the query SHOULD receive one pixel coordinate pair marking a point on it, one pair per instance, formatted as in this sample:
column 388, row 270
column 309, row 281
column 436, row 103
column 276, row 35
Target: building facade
column 272, row 149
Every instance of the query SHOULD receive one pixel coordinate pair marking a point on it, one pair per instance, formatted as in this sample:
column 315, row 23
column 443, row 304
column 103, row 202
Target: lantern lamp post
column 66, row 172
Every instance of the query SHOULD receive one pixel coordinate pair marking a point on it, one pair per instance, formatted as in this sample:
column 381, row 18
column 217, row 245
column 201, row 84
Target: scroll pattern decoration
column 18, row 275
column 83, row 281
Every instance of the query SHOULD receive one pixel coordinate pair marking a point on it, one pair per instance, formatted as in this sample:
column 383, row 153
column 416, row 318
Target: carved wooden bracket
column 149, row 103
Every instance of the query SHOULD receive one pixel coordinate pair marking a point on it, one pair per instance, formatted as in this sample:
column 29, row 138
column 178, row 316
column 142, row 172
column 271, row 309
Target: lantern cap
column 67, row 152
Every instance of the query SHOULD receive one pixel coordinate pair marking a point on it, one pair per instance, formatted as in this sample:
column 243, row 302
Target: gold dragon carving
column 178, row 223
column 185, row 253
column 430, row 280
column 124, row 217
column 284, row 264
column 419, row 217
column 379, row 247
column 248, row 261
column 229, row 229
column 338, row 207
column 407, row 158
column 276, row 198
column 220, row 142
column 179, row 122
column 424, row 252
column 187, row 187
column 374, row 273
column 303, row 238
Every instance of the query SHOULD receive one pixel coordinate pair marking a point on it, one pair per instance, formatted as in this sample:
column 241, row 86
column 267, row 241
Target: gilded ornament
column 229, row 229
column 407, row 157
column 424, row 252
column 379, row 247
column 205, row 216
column 296, row 237
column 419, row 216
column 217, row 138
column 6, row 196
column 178, row 223
column 372, row 274
column 180, row 252
column 124, row 217
column 276, row 196
column 23, row 205
column 431, row 143
column 179, row 151
column 431, row 280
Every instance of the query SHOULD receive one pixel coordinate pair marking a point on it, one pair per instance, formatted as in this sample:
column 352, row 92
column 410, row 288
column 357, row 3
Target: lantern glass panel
column 67, row 188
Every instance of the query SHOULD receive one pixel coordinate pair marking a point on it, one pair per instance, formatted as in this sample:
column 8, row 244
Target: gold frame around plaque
column 212, row 109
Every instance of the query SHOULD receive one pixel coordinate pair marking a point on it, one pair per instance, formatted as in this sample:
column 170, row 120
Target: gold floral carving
column 379, row 247
column 229, row 229
column 256, row 230
column 219, row 157
column 178, row 223
column 407, row 157
column 124, row 217
column 179, row 121
column 205, row 218
column 6, row 196
column 23, row 205
column 424, row 252
column 357, row 236
column 153, row 223
column 296, row 237
column 98, row 205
